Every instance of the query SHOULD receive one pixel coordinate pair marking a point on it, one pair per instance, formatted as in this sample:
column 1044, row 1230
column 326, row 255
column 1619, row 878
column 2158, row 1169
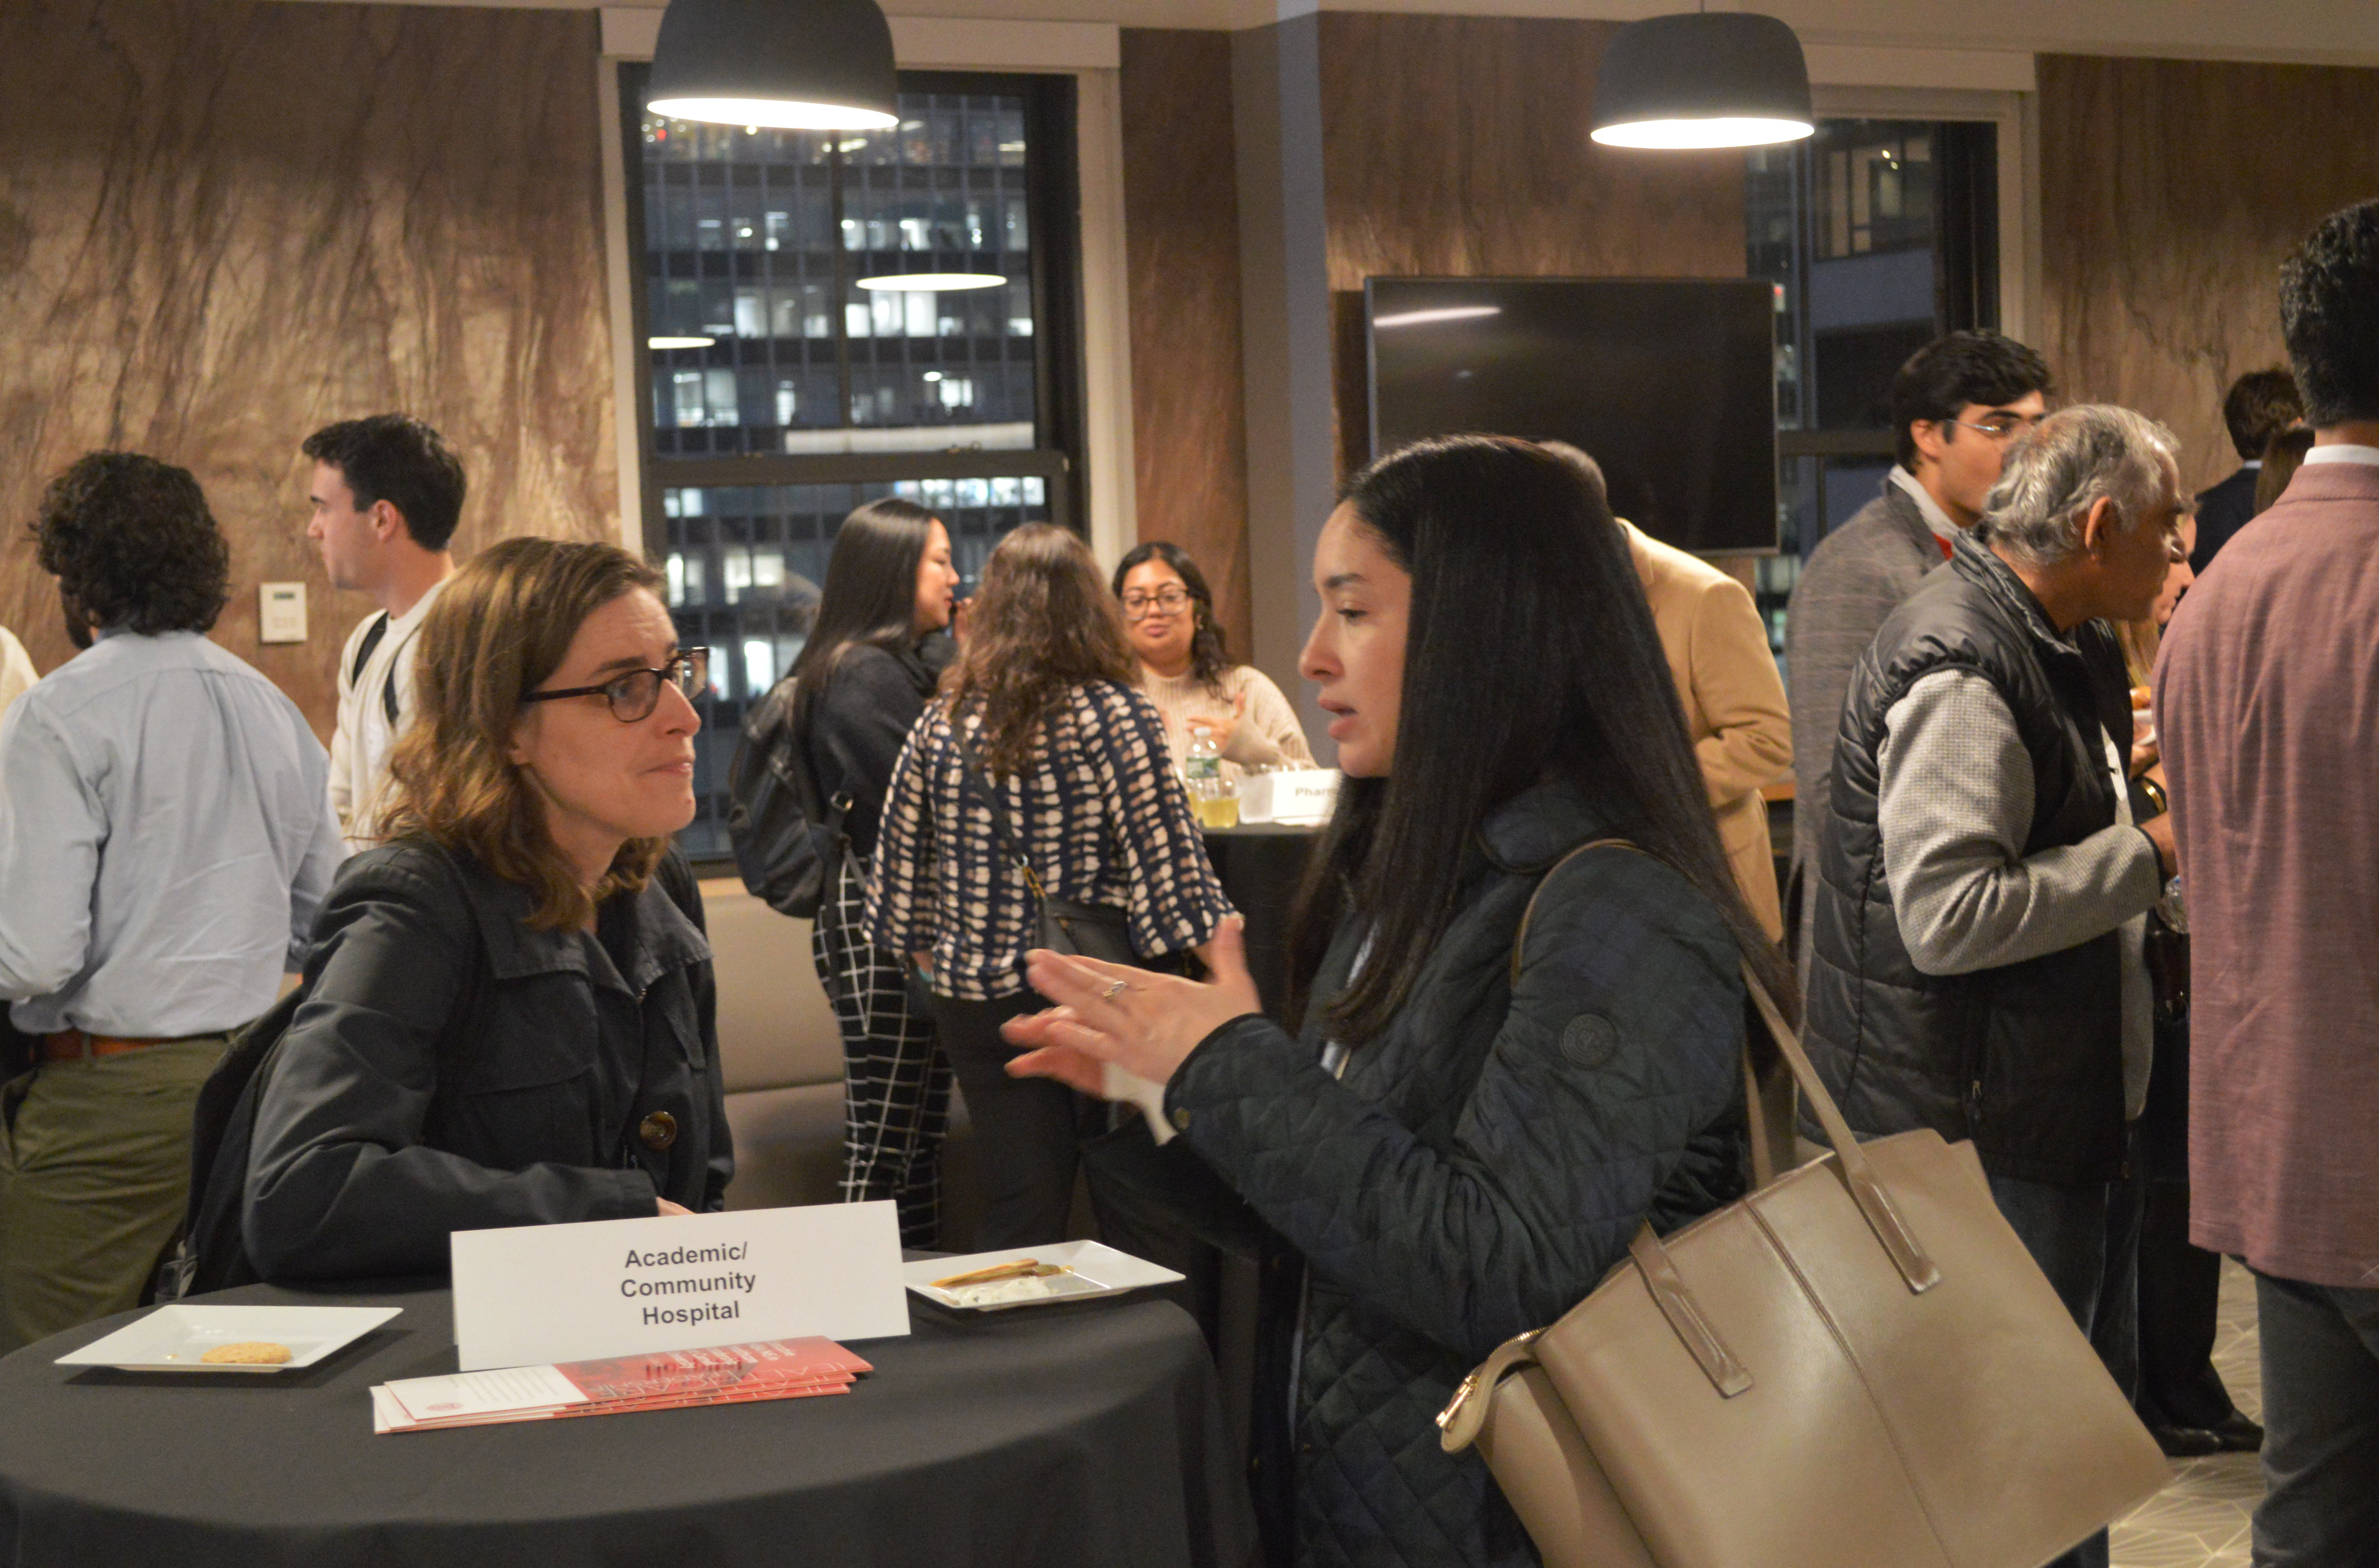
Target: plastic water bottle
column 1212, row 798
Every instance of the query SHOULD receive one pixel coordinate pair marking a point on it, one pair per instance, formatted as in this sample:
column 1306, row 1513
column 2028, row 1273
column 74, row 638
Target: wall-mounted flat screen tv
column 1668, row 383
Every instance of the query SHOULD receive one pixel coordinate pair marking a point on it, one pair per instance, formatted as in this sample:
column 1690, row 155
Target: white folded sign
column 537, row 1294
column 1305, row 794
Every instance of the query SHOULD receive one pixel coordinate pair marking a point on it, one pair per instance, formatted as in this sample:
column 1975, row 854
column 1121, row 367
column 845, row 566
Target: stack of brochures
column 729, row 1374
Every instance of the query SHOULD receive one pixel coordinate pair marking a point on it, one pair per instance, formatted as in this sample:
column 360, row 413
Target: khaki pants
column 95, row 1176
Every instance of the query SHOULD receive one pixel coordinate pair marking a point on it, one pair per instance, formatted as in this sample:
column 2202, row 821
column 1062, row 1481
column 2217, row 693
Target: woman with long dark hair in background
column 1187, row 671
column 873, row 654
column 1468, row 1129
column 1042, row 697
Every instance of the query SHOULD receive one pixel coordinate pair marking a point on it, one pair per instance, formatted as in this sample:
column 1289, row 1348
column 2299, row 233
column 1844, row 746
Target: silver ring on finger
column 1115, row 988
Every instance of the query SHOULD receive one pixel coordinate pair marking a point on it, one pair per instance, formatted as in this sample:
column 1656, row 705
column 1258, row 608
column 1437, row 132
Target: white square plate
column 1097, row 1270
column 172, row 1338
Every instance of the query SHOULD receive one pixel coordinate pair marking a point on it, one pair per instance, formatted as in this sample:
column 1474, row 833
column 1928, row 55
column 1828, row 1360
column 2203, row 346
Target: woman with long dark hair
column 1468, row 1127
column 1039, row 712
column 873, row 653
column 1187, row 671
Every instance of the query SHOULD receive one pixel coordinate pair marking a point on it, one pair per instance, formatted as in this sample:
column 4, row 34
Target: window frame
column 1053, row 217
column 2000, row 286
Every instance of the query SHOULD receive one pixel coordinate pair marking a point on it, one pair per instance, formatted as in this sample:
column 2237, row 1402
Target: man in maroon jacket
column 2268, row 699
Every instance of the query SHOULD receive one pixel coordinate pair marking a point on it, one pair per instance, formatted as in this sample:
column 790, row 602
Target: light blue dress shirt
column 165, row 839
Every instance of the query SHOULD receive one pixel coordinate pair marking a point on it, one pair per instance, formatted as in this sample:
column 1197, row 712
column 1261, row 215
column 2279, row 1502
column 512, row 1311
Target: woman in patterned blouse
column 1043, row 691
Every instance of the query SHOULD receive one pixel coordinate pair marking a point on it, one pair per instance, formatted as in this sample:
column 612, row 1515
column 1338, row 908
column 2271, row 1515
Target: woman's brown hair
column 499, row 629
column 1043, row 624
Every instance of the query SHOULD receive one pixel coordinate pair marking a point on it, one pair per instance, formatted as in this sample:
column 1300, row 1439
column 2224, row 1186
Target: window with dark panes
column 835, row 316
column 1878, row 236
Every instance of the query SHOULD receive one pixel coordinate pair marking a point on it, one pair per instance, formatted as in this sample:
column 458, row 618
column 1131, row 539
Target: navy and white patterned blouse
column 1103, row 819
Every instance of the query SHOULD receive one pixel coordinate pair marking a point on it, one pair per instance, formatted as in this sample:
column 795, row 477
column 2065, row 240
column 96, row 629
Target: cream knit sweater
column 1267, row 736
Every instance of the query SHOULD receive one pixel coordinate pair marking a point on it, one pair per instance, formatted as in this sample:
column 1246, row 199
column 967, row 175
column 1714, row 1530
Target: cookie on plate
column 247, row 1352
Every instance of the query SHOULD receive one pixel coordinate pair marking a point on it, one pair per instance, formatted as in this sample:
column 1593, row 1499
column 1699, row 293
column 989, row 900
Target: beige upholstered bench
column 782, row 1057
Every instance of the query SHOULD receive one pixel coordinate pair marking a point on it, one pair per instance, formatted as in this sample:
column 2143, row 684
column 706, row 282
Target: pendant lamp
column 792, row 65
column 1722, row 78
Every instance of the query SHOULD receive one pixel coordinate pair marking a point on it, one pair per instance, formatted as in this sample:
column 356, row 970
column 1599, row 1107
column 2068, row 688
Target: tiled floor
column 2200, row 1520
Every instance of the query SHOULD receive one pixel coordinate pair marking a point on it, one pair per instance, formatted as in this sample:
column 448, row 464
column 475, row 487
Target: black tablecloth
column 1076, row 1435
column 1259, row 864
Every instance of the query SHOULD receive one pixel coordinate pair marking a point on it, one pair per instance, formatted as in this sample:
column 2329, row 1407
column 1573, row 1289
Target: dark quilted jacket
column 1478, row 1168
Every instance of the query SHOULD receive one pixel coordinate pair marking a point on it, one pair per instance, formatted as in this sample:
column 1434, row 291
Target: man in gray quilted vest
column 1982, row 887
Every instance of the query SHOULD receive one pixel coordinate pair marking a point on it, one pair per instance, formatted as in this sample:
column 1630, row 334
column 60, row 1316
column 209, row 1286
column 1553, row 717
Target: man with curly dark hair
column 165, row 838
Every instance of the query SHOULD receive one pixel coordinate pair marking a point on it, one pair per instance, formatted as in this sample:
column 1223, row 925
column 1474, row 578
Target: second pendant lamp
column 1712, row 79
column 792, row 64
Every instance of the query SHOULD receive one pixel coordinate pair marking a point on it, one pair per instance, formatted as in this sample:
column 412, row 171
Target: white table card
column 1305, row 794
column 536, row 1294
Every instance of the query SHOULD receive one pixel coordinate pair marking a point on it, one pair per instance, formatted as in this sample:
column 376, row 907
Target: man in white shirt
column 386, row 494
column 165, row 839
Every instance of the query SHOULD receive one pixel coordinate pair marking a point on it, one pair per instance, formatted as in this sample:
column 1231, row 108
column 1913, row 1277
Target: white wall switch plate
column 280, row 612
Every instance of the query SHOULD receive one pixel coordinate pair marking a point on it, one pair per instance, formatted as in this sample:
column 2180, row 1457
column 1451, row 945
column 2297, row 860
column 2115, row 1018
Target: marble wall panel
column 2170, row 192
column 1458, row 146
column 1181, row 214
column 224, row 225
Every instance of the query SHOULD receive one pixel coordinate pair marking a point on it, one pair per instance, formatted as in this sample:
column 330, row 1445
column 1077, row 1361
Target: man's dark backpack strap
column 369, row 645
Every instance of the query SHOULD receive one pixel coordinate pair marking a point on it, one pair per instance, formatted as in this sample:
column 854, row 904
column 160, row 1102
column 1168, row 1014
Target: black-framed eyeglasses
column 635, row 695
column 1172, row 599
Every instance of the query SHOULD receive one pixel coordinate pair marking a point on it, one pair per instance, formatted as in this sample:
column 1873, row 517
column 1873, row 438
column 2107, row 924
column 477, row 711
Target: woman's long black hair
column 870, row 598
column 1529, row 658
column 1209, row 660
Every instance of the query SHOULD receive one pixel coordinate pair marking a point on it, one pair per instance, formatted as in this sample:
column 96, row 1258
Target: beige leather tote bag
column 1858, row 1366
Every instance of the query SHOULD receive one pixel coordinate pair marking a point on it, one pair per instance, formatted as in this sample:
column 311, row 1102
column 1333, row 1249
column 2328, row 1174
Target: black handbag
column 1086, row 931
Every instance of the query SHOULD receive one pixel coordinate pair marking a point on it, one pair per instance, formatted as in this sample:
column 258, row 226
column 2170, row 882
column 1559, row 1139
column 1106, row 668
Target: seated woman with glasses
column 1183, row 668
column 509, row 1008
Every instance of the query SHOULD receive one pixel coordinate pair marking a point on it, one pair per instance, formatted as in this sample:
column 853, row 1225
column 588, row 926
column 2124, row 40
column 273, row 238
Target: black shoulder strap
column 370, row 645
column 1000, row 829
column 790, row 757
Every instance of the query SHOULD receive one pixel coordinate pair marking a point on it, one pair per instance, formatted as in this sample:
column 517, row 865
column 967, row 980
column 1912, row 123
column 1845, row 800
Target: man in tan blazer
column 1733, row 698
column 1735, row 712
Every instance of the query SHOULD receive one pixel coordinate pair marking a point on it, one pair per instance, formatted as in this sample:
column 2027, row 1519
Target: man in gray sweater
column 1976, row 962
column 1957, row 406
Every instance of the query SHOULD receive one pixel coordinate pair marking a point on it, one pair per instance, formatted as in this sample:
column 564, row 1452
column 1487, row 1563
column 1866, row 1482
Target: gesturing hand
column 1223, row 731
column 1144, row 1023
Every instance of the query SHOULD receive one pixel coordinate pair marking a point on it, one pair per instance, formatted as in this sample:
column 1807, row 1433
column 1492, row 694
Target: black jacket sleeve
column 1619, row 1048
column 861, row 723
column 340, row 1183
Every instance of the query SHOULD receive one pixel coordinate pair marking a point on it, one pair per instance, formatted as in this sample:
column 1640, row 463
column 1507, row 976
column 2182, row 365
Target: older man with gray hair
column 1982, row 885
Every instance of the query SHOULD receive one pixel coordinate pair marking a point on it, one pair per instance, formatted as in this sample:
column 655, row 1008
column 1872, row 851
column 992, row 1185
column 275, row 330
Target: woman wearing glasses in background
column 509, row 1016
column 1169, row 615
